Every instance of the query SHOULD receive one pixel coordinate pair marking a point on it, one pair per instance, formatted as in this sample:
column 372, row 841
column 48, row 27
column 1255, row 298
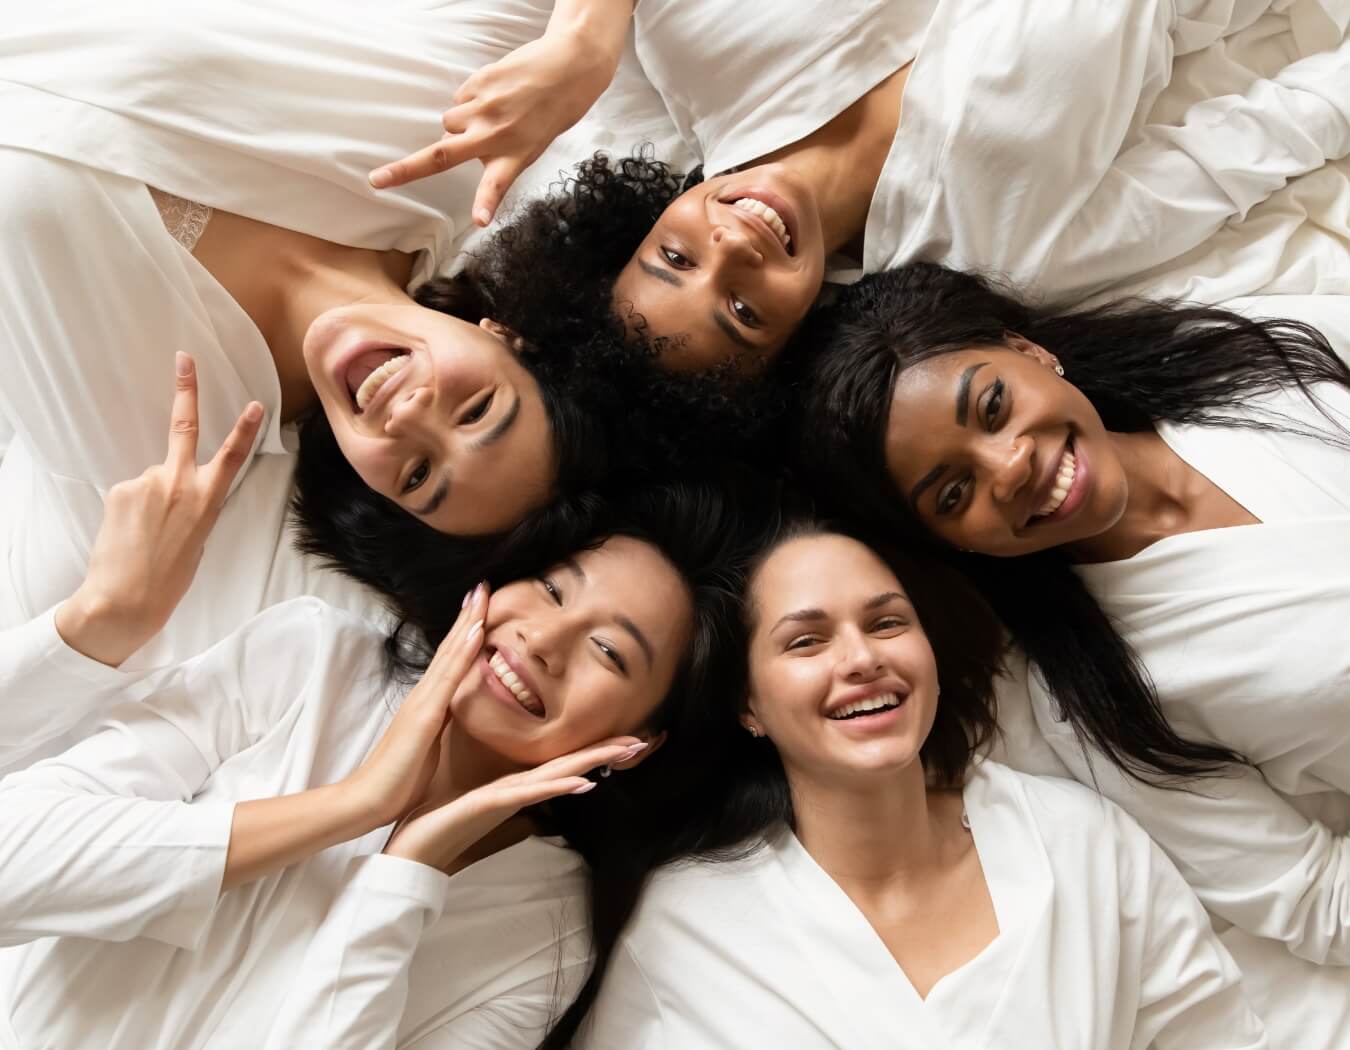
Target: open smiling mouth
column 1065, row 474
column 371, row 370
column 526, row 699
column 869, row 708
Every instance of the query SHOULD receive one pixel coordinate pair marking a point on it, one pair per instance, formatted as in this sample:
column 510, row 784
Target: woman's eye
column 415, row 479
column 994, row 405
column 551, row 589
column 743, row 313
column 612, row 654
column 950, row 497
column 680, row 262
column 804, row 641
column 889, row 623
column 478, row 410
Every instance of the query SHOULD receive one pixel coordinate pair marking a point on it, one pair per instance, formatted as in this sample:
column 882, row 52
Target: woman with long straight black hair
column 1156, row 499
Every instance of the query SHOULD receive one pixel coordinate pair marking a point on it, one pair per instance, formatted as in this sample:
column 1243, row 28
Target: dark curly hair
column 549, row 274
column 1137, row 362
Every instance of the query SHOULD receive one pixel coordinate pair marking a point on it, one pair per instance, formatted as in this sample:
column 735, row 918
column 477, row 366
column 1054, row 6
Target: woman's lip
column 871, row 722
column 866, row 692
column 497, row 688
column 389, row 387
column 516, row 664
column 344, row 361
column 778, row 203
column 1077, row 491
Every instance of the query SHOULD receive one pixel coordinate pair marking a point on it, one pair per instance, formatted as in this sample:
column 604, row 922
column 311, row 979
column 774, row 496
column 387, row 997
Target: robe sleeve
column 1191, row 994
column 1249, row 855
column 1075, row 192
column 105, row 840
column 352, row 988
column 47, row 688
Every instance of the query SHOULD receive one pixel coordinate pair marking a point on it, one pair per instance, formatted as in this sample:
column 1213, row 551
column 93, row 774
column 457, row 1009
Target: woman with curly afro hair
column 1025, row 148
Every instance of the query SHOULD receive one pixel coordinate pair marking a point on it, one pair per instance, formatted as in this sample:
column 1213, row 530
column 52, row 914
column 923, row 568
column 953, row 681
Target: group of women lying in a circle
column 589, row 632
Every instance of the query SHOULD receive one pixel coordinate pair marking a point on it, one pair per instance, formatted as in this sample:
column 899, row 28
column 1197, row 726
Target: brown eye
column 415, row 479
column 743, row 313
column 680, row 262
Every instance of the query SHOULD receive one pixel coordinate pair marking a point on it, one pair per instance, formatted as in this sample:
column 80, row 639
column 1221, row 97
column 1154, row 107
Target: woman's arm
column 508, row 112
column 352, row 988
column 1248, row 855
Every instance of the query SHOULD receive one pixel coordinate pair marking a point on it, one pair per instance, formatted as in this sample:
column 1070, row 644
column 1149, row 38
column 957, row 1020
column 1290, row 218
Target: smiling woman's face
column 842, row 677
column 998, row 454
column 585, row 652
column 434, row 413
column 729, row 270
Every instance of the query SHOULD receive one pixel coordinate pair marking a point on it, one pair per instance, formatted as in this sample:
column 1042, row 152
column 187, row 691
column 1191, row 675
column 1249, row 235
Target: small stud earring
column 754, row 730
column 1059, row 369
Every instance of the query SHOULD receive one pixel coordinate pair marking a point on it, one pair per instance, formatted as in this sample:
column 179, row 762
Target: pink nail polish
column 590, row 785
column 632, row 752
column 474, row 631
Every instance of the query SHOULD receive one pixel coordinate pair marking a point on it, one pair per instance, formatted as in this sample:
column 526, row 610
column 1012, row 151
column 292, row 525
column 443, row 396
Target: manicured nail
column 479, row 591
column 182, row 363
column 590, row 785
column 381, row 177
column 253, row 413
column 474, row 631
column 632, row 752
column 482, row 216
column 467, row 595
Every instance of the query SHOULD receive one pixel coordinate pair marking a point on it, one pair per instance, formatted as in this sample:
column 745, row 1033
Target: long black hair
column 709, row 531
column 1137, row 362
column 713, row 791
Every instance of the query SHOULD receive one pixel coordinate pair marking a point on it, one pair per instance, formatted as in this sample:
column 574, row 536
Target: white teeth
column 371, row 386
column 766, row 213
column 511, row 680
column 1068, row 467
column 883, row 702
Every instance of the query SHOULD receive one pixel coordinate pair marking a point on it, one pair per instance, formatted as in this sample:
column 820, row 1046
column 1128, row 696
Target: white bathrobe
column 275, row 110
column 1025, row 145
column 1241, row 631
column 1100, row 945
column 113, row 853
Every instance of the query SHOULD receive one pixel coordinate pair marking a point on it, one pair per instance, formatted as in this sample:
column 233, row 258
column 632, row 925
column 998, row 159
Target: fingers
column 231, row 456
column 183, row 421
column 434, row 159
column 611, row 752
column 461, row 646
column 498, row 176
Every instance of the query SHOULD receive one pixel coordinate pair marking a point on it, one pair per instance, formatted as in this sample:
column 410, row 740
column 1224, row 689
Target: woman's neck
column 1159, row 501
column 843, row 160
column 875, row 833
column 284, row 280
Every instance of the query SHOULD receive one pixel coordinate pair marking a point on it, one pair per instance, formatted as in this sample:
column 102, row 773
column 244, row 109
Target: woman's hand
column 437, row 833
column 508, row 112
column 395, row 775
column 153, row 533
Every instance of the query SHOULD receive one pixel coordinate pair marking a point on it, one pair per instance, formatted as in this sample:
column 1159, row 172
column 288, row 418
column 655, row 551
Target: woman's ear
column 749, row 721
column 1035, row 351
column 508, row 336
column 653, row 743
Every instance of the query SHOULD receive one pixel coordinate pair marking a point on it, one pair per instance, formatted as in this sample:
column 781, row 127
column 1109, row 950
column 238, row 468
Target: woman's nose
column 1011, row 468
column 857, row 661
column 733, row 243
column 408, row 412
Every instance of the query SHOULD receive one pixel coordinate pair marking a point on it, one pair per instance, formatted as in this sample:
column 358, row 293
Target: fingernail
column 253, row 413
column 482, row 217
column 479, row 591
column 381, row 177
column 636, row 749
column 474, row 631
column 182, row 363
column 590, row 785
column 467, row 595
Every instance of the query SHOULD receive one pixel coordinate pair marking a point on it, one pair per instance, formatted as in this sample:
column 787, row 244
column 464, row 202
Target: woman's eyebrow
column 499, row 431
column 924, row 482
column 437, row 498
column 799, row 616
column 643, row 644
column 963, row 392
column 660, row 274
column 732, row 332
